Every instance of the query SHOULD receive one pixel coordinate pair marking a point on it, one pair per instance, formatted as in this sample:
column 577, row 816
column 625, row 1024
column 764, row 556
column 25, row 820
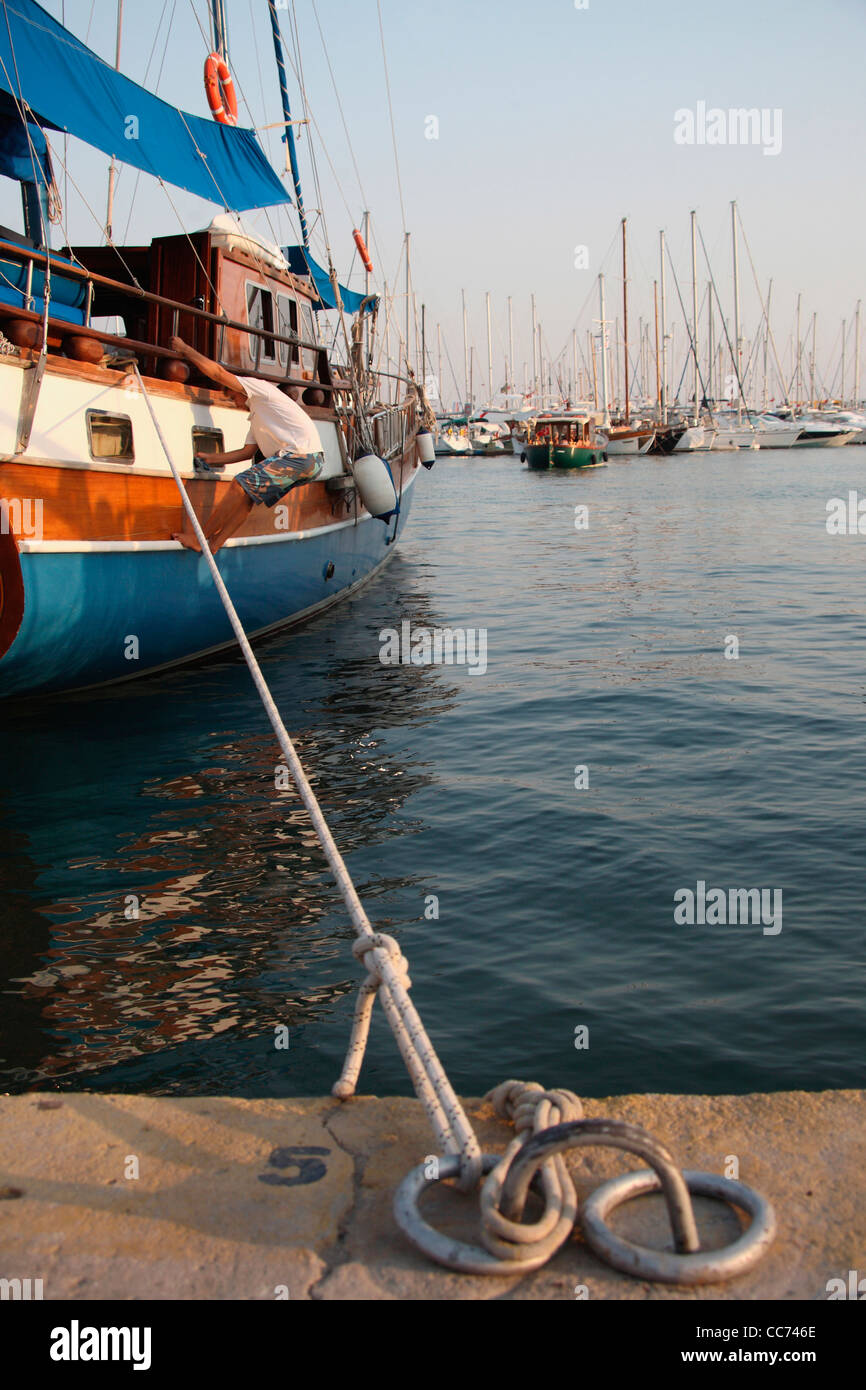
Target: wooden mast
column 604, row 399
column 696, row 415
column 658, row 368
column 664, row 391
column 625, row 320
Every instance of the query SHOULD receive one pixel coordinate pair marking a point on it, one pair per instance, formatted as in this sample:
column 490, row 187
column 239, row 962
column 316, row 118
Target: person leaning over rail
column 279, row 429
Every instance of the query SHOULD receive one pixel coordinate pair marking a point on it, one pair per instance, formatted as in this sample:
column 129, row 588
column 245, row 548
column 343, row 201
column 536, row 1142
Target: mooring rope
column 546, row 1122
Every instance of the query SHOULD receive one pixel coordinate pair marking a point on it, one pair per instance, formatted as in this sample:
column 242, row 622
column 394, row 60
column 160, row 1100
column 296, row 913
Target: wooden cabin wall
column 183, row 268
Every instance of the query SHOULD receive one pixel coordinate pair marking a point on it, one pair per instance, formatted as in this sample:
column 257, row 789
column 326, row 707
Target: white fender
column 376, row 486
column 426, row 448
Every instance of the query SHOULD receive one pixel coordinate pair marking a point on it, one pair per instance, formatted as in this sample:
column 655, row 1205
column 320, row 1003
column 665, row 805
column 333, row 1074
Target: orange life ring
column 220, row 90
column 362, row 251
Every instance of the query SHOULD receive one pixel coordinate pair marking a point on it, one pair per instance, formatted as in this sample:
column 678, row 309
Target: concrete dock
column 123, row 1196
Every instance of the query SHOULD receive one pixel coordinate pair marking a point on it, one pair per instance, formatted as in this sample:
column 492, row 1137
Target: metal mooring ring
column 705, row 1267
column 445, row 1250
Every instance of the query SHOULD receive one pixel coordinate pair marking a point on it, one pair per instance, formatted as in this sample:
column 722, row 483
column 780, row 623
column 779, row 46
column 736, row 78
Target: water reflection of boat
column 165, row 928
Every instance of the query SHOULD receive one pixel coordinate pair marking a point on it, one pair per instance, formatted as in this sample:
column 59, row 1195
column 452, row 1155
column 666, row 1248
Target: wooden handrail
column 151, row 350
column 150, row 297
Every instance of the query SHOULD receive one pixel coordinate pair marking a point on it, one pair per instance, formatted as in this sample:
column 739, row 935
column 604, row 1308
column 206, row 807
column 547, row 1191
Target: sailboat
column 93, row 586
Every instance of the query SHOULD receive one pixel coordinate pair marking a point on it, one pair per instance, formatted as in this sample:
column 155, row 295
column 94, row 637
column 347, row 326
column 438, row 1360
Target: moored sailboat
column 93, row 586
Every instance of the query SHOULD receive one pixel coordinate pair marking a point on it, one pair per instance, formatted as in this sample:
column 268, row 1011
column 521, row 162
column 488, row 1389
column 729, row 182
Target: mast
column 575, row 393
column 594, row 371
column 112, row 168
column 710, row 364
column 658, row 374
column 696, row 415
column 408, row 304
column 767, row 344
column 663, row 399
column 736, row 313
column 604, row 401
column 366, row 243
column 510, row 369
column 220, row 33
column 842, row 386
column 534, row 350
column 439, row 362
column 289, row 137
column 625, row 319
column 465, row 356
column 489, row 355
column 812, row 361
column 799, row 355
column 387, row 333
column 422, row 375
column 857, row 357
column 366, row 329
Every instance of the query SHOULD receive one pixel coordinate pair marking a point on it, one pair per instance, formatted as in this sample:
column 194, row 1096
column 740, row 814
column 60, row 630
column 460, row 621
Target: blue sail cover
column 68, row 87
column 301, row 262
column 19, row 159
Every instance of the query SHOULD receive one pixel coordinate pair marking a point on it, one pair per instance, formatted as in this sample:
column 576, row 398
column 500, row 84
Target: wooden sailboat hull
column 109, row 611
column 93, row 587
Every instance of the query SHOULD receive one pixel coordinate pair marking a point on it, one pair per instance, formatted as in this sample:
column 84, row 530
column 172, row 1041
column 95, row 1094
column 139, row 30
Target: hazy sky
column 553, row 123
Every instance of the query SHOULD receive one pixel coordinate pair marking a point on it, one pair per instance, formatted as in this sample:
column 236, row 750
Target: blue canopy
column 68, row 87
column 301, row 262
column 19, row 158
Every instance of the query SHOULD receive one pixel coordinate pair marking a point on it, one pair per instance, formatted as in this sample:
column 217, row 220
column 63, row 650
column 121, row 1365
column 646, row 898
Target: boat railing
column 138, row 294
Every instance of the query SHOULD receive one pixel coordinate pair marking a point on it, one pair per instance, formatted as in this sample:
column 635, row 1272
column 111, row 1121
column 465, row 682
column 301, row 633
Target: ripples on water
column 556, row 905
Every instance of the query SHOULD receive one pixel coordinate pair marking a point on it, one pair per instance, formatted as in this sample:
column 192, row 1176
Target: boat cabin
column 562, row 430
column 209, row 287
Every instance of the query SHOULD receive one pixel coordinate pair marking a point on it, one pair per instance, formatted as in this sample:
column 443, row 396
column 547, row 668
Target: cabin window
column 308, row 324
column 110, row 436
column 260, row 314
column 206, row 441
column 287, row 326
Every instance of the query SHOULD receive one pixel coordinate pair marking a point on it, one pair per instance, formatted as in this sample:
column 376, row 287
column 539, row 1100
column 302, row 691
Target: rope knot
column 363, row 949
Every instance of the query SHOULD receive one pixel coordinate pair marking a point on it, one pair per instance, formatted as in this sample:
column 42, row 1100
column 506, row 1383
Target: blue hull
column 82, row 609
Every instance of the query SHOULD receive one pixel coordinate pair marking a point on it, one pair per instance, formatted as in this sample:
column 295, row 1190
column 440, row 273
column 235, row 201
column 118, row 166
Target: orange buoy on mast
column 220, row 90
column 362, row 251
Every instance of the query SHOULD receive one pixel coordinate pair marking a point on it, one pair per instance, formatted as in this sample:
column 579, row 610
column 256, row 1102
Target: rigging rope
column 391, row 114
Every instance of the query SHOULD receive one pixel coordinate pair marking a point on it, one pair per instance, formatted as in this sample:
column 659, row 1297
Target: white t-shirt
column 278, row 425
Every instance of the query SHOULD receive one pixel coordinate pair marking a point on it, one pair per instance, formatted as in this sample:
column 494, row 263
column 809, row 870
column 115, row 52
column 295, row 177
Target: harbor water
column 525, row 827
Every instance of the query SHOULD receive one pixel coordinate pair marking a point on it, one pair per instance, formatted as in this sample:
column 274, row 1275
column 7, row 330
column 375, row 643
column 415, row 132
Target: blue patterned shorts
column 270, row 479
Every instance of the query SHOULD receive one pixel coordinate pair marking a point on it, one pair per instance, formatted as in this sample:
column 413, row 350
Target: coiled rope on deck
column 546, row 1122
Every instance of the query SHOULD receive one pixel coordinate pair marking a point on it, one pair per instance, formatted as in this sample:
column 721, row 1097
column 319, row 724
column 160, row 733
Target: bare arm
column 234, row 456
column 207, row 367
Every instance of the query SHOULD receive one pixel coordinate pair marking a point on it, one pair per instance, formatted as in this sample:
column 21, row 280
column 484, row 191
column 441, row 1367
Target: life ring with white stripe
column 220, row 90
